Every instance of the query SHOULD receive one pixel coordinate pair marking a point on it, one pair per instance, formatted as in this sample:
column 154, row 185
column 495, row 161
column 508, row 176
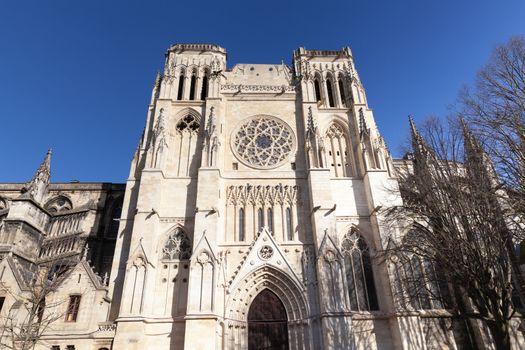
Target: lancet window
column 260, row 219
column 359, row 274
column 184, row 142
column 342, row 93
column 337, row 145
column 270, row 220
column 180, row 91
column 330, row 92
column 193, row 82
column 177, row 246
column 204, row 90
column 317, row 89
column 242, row 225
column 418, row 284
column 252, row 207
column 289, row 224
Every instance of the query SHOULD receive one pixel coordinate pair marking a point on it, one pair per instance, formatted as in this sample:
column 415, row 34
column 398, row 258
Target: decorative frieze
column 257, row 88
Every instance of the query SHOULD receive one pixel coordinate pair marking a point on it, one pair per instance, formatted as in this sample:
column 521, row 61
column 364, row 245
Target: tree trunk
column 500, row 334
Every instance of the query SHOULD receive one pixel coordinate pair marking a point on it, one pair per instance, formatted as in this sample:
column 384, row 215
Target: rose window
column 263, row 142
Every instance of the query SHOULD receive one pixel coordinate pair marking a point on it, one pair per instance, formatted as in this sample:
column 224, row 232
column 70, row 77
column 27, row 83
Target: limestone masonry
column 250, row 220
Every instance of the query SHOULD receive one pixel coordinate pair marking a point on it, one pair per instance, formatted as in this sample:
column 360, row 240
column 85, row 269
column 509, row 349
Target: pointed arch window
column 204, row 90
column 177, row 246
column 241, row 224
column 289, row 224
column 359, row 274
column 180, row 91
column 193, row 82
column 330, row 93
column 342, row 90
column 415, row 284
column 270, row 220
column 317, row 89
column 338, row 151
column 260, row 219
column 419, row 287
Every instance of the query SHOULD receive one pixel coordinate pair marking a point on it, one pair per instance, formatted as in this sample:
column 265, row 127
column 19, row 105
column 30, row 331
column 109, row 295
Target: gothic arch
column 286, row 288
column 267, row 277
column 338, row 148
column 359, row 271
column 175, row 244
column 330, row 90
column 185, row 142
column 60, row 203
column 184, row 113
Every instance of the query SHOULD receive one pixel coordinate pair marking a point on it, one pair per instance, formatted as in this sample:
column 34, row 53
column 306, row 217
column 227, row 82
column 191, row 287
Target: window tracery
column 359, row 275
column 263, row 142
column 58, row 204
column 188, row 123
column 338, row 151
column 177, row 246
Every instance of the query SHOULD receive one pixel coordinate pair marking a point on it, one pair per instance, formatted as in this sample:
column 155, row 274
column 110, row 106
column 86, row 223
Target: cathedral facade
column 250, row 219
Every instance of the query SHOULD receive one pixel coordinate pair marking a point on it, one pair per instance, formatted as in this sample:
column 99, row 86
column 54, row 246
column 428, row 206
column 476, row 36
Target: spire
column 477, row 162
column 37, row 187
column 418, row 144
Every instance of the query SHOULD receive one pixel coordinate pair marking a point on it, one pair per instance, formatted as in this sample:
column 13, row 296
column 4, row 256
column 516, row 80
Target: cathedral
column 251, row 219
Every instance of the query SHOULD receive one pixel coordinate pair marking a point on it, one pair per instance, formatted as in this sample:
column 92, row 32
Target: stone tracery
column 177, row 246
column 59, row 204
column 359, row 273
column 263, row 142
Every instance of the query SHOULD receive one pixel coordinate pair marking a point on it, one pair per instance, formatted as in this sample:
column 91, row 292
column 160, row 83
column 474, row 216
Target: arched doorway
column 267, row 323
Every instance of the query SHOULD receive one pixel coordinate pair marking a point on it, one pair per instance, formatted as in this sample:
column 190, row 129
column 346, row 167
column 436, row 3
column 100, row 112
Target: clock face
column 263, row 142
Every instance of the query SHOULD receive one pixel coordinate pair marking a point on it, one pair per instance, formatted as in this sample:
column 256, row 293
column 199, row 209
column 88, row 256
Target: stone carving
column 203, row 258
column 257, row 88
column 362, row 123
column 266, row 252
column 330, row 256
column 159, row 131
column 270, row 195
column 59, row 204
column 188, row 124
column 37, row 187
column 177, row 247
column 211, row 140
column 314, row 143
column 263, row 142
column 107, row 327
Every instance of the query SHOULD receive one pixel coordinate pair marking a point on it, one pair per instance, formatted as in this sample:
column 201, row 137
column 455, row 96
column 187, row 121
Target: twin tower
column 250, row 218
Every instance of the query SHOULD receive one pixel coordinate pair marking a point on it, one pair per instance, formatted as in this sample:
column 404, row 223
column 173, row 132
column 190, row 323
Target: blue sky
column 77, row 75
